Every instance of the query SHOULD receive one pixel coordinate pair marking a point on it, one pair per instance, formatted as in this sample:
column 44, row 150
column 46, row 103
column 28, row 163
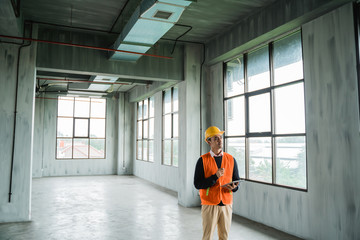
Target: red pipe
column 83, row 46
column 81, row 81
column 47, row 98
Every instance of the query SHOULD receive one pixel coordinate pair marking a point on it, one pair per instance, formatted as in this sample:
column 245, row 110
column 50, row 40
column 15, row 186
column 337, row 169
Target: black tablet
column 230, row 183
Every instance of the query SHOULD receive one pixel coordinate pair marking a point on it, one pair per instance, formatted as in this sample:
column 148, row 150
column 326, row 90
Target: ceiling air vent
column 163, row 15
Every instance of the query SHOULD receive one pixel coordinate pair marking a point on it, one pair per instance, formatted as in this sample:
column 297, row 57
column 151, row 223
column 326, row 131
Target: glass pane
column 235, row 116
column 81, row 148
column 175, row 125
column 176, row 99
column 234, row 80
column 260, row 164
column 139, row 130
column 167, row 101
column 145, row 109
column 140, row 108
column 175, row 153
column 258, row 69
column 167, row 126
column 82, row 107
column 151, row 128
column 291, row 161
column 151, row 151
column 97, row 128
column 98, row 107
column 64, row 148
column 290, row 109
column 139, row 150
column 146, row 125
column 288, row 64
column 81, row 127
column 236, row 147
column 65, row 106
column 152, row 107
column 97, row 148
column 64, row 127
column 167, row 152
column 145, row 150
column 259, row 113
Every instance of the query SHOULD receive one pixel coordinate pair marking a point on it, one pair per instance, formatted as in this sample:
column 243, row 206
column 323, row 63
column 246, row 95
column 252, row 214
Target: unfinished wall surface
column 330, row 208
column 45, row 162
column 19, row 207
column 333, row 137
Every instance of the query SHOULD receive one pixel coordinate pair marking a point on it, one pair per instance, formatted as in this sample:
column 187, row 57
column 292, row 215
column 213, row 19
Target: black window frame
column 270, row 133
column 172, row 138
column 88, row 137
column 143, row 139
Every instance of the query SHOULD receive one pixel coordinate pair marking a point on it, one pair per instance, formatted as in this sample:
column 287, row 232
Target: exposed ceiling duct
column 101, row 87
column 150, row 21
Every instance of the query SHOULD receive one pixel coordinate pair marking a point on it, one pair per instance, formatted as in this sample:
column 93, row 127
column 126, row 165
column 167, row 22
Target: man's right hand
column 220, row 172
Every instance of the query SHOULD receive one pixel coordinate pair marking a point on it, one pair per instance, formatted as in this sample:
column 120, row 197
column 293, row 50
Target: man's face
column 216, row 142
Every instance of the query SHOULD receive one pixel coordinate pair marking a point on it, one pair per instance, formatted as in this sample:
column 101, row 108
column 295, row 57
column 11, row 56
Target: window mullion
column 73, row 136
column 142, row 130
column 272, row 112
column 246, row 103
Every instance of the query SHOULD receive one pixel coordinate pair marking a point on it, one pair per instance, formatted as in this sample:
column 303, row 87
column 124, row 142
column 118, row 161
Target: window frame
column 142, row 120
column 73, row 137
column 272, row 134
column 172, row 138
column 357, row 47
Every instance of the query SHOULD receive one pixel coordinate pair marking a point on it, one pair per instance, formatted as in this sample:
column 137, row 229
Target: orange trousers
column 216, row 216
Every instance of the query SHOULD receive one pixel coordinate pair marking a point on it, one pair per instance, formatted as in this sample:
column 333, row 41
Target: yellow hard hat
column 212, row 131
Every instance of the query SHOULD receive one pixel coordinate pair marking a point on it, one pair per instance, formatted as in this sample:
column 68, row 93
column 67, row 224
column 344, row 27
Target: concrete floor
column 116, row 207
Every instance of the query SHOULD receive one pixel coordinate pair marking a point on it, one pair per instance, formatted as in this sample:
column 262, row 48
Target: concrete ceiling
column 206, row 17
column 203, row 19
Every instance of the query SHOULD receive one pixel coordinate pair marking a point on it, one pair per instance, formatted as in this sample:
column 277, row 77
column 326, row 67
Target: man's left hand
column 231, row 186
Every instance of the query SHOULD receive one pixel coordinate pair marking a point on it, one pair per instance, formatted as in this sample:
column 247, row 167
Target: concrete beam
column 95, row 62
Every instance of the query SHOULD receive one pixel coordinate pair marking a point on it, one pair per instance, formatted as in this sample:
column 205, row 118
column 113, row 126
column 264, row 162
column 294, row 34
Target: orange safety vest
column 215, row 194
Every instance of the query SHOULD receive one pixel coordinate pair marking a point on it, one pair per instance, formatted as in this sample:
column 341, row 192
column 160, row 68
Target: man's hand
column 231, row 186
column 220, row 172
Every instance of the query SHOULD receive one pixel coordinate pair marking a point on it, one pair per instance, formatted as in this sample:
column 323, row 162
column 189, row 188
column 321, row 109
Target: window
column 265, row 113
column 145, row 130
column 170, row 127
column 81, row 128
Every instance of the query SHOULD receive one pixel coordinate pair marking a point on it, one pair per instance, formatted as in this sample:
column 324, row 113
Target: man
column 213, row 170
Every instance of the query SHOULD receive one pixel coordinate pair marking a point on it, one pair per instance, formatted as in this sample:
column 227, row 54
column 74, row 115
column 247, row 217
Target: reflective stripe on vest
column 215, row 194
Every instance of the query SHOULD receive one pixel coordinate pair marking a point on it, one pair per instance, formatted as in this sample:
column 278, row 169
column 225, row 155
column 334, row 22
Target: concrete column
column 189, row 146
column 125, row 147
column 19, row 207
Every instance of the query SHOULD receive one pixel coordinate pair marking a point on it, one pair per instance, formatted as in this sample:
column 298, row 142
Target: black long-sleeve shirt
column 201, row 182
